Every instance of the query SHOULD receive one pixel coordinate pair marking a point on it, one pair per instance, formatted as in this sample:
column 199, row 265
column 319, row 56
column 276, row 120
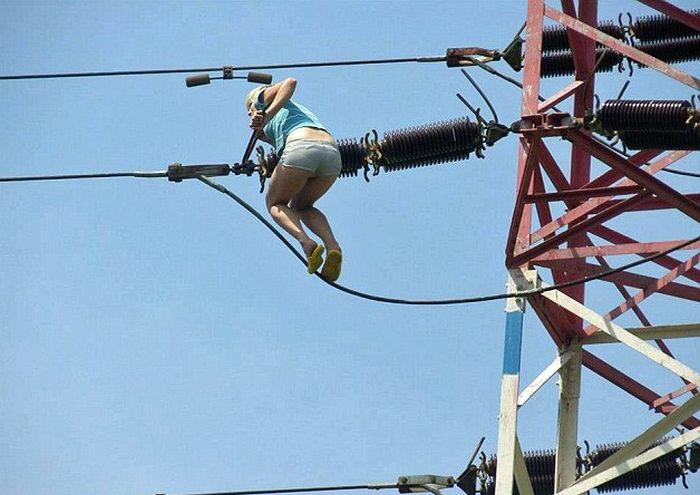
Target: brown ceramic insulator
column 559, row 64
column 663, row 140
column 554, row 37
column 429, row 144
column 672, row 51
column 660, row 27
column 645, row 115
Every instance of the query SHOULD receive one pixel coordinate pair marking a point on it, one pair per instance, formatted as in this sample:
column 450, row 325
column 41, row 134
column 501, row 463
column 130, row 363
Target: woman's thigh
column 312, row 191
column 285, row 183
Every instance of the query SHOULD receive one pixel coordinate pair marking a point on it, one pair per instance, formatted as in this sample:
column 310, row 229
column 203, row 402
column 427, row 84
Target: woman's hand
column 263, row 137
column 257, row 120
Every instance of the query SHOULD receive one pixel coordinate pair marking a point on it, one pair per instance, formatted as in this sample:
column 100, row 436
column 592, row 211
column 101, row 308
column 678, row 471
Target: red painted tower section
column 578, row 243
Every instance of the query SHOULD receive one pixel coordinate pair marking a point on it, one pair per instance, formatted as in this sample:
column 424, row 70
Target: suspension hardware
column 246, row 168
column 513, row 54
column 457, row 57
column 264, row 168
column 177, row 171
column 373, row 152
column 494, row 132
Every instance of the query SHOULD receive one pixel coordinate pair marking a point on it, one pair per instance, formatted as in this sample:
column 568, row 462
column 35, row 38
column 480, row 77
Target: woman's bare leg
column 317, row 223
column 285, row 183
column 302, row 203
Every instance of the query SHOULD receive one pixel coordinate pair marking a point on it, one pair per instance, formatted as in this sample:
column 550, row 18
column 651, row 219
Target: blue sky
column 157, row 338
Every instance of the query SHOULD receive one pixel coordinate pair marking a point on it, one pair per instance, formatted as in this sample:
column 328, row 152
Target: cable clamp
column 373, row 153
column 177, row 171
column 494, row 132
column 424, row 483
column 266, row 165
column 458, row 57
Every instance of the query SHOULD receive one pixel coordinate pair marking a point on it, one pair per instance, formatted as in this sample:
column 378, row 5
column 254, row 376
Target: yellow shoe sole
column 315, row 260
column 331, row 268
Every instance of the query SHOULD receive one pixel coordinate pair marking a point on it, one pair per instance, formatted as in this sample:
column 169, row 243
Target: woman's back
column 290, row 116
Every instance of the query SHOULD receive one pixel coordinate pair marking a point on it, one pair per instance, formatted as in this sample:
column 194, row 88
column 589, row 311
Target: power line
column 436, row 302
column 177, row 172
column 108, row 73
column 214, row 69
column 310, row 489
column 681, row 172
column 142, row 175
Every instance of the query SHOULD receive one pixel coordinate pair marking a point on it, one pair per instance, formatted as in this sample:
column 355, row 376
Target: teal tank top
column 291, row 116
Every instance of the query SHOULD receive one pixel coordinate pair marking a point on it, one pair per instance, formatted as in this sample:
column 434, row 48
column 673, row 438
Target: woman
column 309, row 165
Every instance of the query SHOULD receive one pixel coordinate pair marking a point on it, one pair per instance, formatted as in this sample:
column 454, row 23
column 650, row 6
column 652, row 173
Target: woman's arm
column 277, row 95
column 274, row 98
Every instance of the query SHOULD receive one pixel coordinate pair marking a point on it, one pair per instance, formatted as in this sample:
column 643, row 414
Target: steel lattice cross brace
column 578, row 243
column 530, row 280
column 568, row 364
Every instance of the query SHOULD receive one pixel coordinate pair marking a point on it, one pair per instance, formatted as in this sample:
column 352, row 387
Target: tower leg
column 510, row 380
column 567, row 423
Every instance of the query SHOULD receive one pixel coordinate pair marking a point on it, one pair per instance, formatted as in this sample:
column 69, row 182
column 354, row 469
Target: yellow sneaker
column 331, row 269
column 316, row 259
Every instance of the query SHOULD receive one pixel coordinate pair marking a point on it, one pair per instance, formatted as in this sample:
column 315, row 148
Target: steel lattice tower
column 577, row 243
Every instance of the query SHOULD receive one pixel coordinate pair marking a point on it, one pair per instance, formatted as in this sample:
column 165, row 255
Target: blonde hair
column 253, row 96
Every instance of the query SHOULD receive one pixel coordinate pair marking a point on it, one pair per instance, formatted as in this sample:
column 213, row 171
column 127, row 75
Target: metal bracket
column 177, row 171
column 246, row 168
column 466, row 481
column 424, row 483
column 373, row 153
column 513, row 54
column 456, row 56
column 495, row 132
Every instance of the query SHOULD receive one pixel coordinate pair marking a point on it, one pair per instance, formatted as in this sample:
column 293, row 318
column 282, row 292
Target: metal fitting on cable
column 460, row 57
column 424, row 483
column 177, row 171
column 227, row 73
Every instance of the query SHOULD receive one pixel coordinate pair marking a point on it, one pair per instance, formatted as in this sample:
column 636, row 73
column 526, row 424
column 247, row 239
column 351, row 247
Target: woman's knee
column 270, row 203
column 299, row 205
